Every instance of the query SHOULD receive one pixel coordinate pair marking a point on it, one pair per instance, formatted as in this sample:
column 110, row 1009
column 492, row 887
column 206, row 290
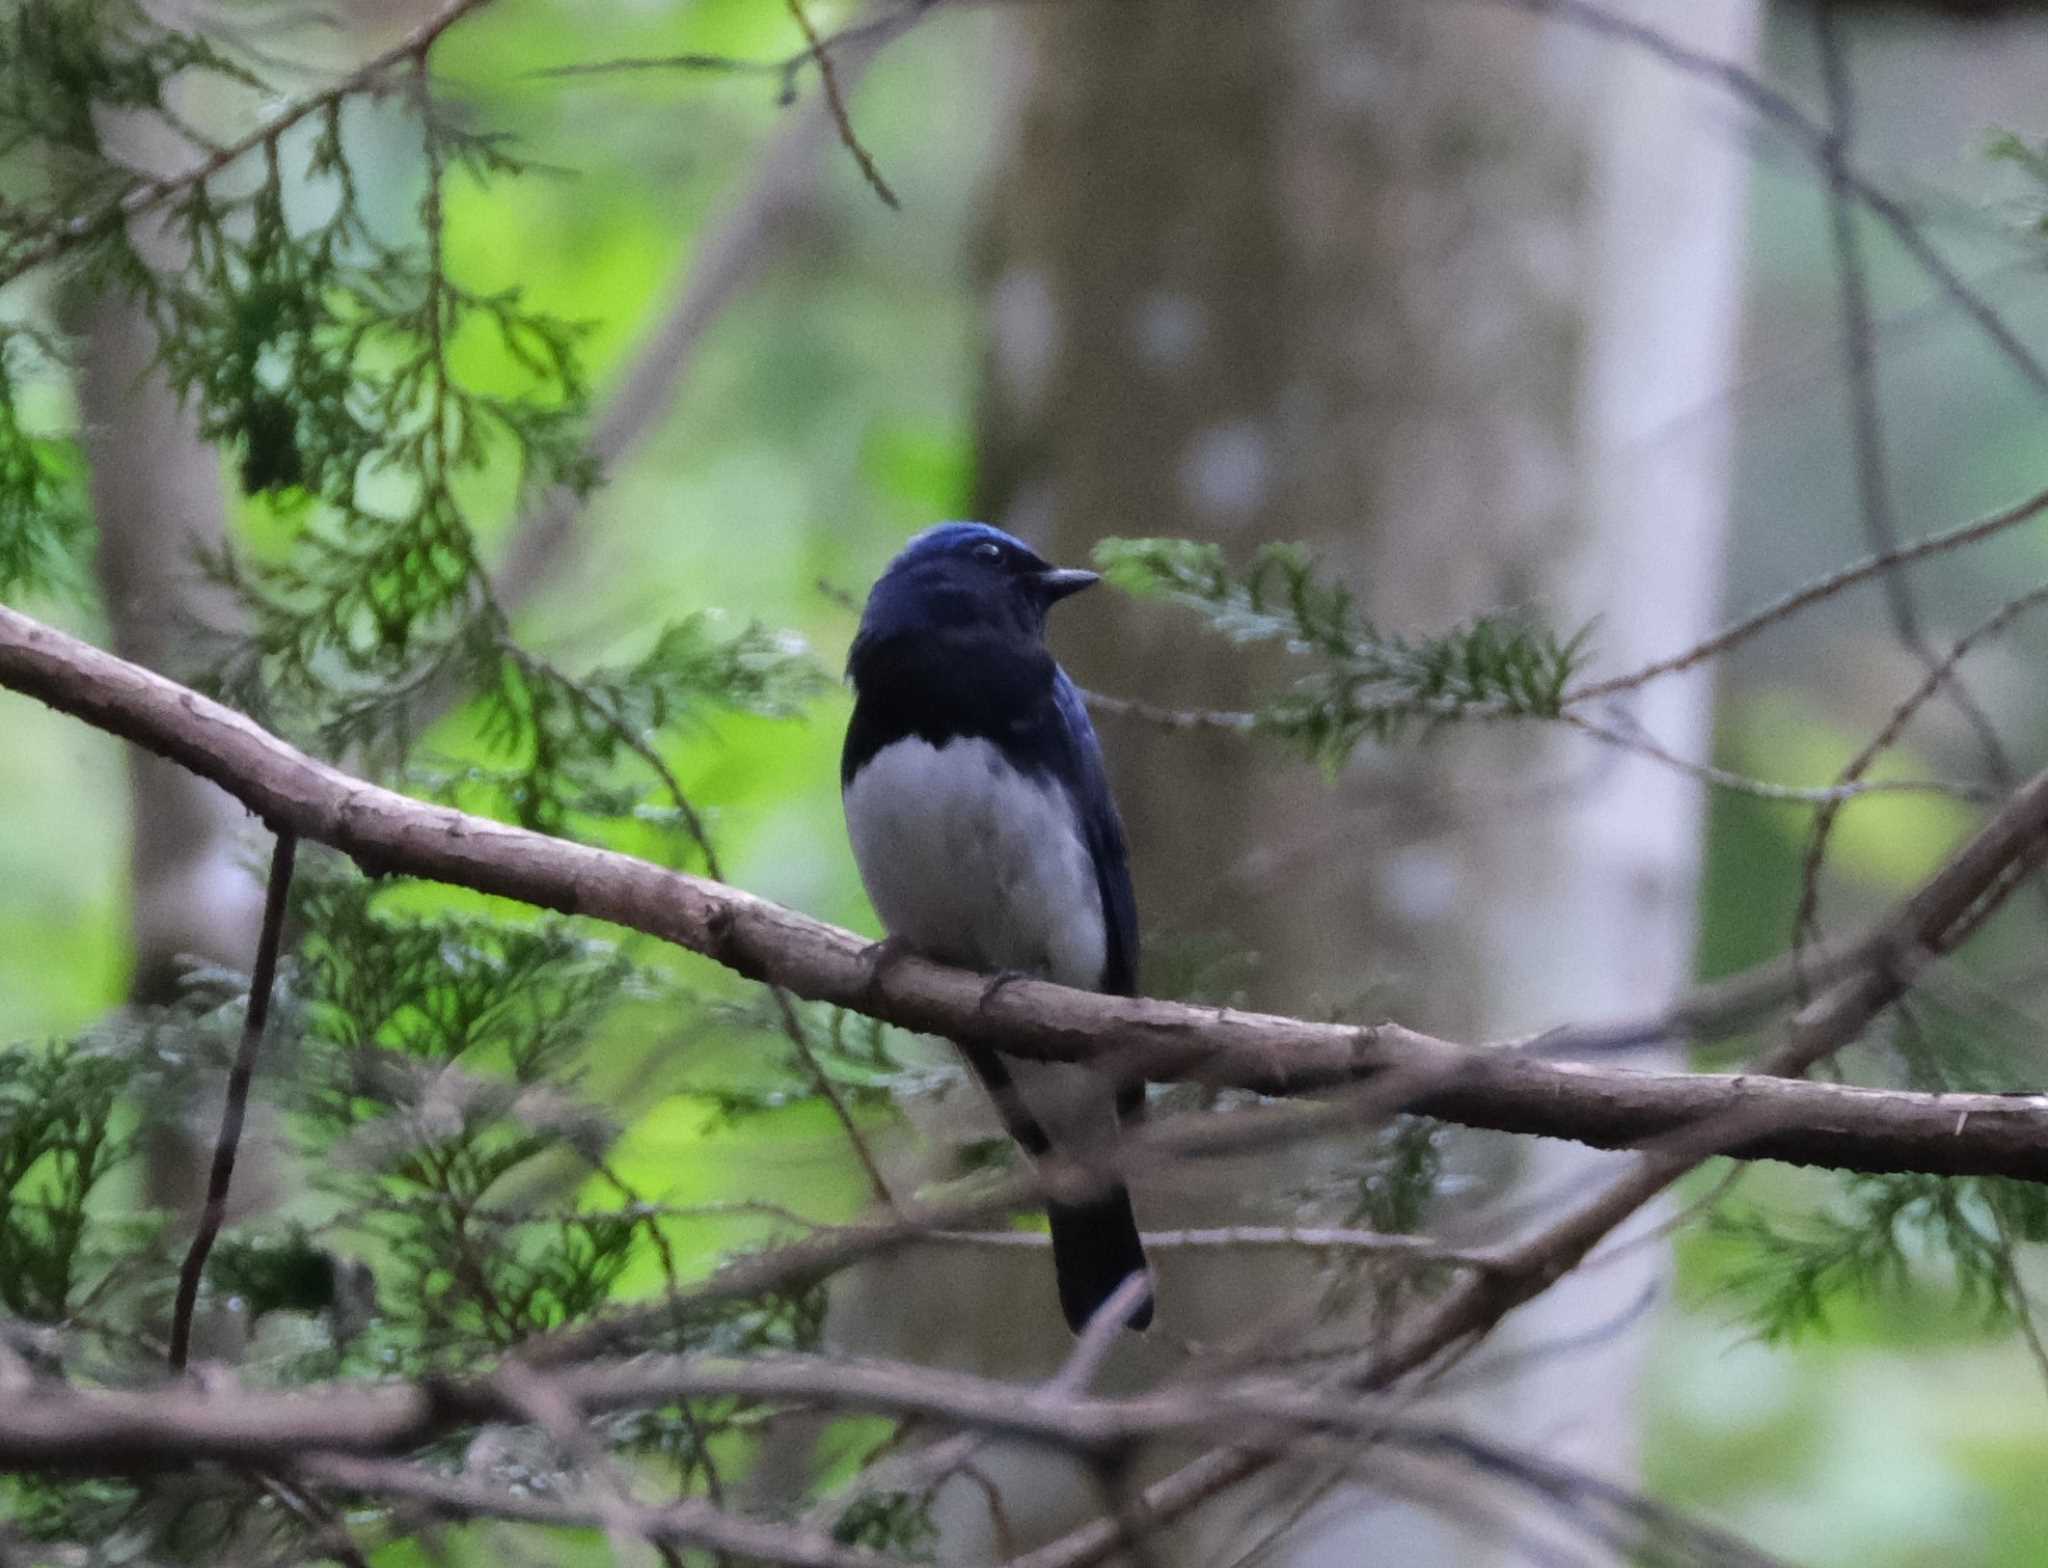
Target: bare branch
column 828, row 84
column 342, row 1435
column 1821, row 588
column 1873, row 480
column 1624, row 732
column 1227, row 721
column 876, row 30
column 1937, row 674
column 1300, row 1238
column 262, row 981
column 688, row 1523
column 1510, row 1090
column 1813, row 138
column 928, row 1468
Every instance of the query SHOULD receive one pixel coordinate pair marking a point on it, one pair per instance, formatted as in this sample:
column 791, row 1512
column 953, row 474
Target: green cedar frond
column 569, row 735
column 1367, row 684
column 898, row 1523
column 59, row 1142
column 1880, row 1239
column 43, row 524
column 60, row 59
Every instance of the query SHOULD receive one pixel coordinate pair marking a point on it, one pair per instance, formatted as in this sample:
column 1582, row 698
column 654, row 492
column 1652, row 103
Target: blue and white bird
column 983, row 825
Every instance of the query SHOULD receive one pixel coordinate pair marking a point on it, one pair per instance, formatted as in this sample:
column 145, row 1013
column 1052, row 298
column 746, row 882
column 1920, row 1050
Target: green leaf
column 1364, row 684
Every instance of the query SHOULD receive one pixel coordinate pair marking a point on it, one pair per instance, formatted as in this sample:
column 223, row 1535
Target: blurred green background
column 831, row 412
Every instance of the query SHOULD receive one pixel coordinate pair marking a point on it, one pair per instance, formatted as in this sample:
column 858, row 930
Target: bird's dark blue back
column 1087, row 779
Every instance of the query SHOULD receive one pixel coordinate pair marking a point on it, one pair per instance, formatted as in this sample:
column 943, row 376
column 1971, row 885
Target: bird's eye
column 988, row 550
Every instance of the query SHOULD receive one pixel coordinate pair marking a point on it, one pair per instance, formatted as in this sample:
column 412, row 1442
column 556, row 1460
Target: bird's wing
column 1087, row 781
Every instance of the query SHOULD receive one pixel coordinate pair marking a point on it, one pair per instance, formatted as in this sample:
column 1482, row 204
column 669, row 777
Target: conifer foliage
column 431, row 1081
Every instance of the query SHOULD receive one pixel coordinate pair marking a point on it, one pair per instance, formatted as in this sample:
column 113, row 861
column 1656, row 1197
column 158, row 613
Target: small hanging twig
column 262, row 980
column 828, row 80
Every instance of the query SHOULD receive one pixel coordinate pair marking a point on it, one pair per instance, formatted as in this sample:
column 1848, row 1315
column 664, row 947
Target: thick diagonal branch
column 1510, row 1090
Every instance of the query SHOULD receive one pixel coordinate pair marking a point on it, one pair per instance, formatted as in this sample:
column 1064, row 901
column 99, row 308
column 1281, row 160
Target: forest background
column 802, row 323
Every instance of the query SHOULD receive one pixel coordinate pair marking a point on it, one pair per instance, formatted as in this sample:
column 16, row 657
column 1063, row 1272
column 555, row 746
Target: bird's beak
column 1058, row 581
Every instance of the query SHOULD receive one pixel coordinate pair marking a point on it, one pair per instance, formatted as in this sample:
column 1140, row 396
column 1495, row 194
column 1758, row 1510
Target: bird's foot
column 876, row 959
column 996, row 983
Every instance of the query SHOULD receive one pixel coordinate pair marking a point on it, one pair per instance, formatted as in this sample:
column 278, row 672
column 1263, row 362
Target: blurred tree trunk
column 156, row 492
column 195, row 854
column 1443, row 292
column 157, row 502
column 194, row 889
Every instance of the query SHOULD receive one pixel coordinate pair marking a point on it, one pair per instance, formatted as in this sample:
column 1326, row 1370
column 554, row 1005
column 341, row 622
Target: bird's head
column 968, row 574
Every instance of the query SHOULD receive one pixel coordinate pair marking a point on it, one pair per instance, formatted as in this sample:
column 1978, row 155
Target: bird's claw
column 995, row 984
column 875, row 961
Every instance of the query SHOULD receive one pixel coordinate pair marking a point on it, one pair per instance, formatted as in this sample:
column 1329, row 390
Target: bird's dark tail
column 1095, row 1248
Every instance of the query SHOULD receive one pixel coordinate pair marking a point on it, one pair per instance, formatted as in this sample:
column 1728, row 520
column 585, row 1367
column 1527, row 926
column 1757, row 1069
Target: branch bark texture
column 1513, row 1090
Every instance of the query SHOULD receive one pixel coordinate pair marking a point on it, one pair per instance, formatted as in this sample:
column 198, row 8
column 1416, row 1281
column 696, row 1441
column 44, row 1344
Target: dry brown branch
column 235, row 1105
column 828, row 85
column 1303, row 1238
column 1805, row 917
column 688, row 1523
column 1508, row 1090
column 343, row 1436
column 1944, row 910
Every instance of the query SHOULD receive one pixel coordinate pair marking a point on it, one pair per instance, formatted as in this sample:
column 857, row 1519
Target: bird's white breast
column 972, row 862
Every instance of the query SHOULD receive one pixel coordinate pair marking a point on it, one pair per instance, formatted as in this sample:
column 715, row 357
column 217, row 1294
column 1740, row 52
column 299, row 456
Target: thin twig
column 821, row 1080
column 1421, row 1250
column 1814, row 592
column 1804, row 917
column 1873, row 482
column 1629, row 736
column 876, row 30
column 1622, row 732
column 2016, row 1287
column 330, row 1536
column 1098, row 1337
column 262, row 980
column 687, row 1523
column 700, row 834
column 1812, row 137
column 650, row 1217
column 1866, row 416
column 541, row 1400
column 1224, row 721
column 924, row 1471
column 828, row 84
